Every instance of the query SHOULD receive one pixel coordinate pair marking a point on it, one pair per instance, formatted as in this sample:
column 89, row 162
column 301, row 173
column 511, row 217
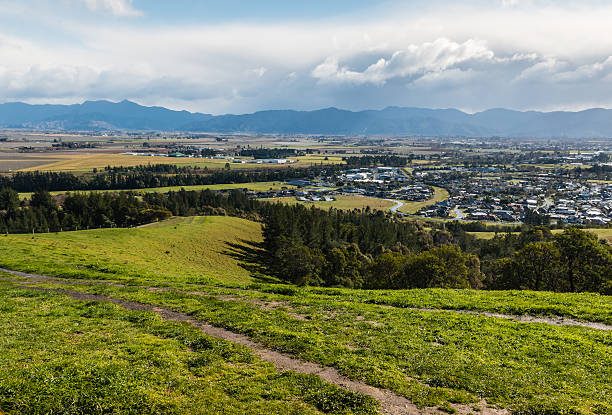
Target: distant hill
column 95, row 115
column 126, row 115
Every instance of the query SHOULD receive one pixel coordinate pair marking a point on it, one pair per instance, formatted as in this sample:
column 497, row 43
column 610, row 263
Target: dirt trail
column 391, row 404
column 556, row 321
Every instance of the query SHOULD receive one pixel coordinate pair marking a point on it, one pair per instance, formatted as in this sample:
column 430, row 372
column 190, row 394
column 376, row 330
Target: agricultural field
column 256, row 186
column 80, row 162
column 344, row 202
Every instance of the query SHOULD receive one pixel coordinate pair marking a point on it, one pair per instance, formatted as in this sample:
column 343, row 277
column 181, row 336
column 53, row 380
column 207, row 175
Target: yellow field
column 440, row 195
column 83, row 162
column 341, row 202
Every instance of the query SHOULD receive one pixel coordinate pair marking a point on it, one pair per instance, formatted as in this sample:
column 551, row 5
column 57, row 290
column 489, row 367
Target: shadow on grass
column 252, row 257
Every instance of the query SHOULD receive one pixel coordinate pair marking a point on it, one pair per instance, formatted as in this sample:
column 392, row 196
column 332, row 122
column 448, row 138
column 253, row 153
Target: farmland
column 255, row 186
column 85, row 162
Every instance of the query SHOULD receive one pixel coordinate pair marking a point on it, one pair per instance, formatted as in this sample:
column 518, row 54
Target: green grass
column 440, row 195
column 433, row 358
column 59, row 355
column 181, row 249
column 256, row 186
column 579, row 306
column 605, row 234
column 345, row 202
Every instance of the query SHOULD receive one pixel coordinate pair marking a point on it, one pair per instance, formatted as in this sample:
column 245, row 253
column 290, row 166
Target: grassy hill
column 180, row 249
column 436, row 347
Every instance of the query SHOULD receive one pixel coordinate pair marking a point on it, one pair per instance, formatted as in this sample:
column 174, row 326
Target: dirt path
column 556, row 321
column 391, row 404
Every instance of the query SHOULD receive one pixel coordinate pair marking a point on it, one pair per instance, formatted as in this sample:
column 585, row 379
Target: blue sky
column 242, row 56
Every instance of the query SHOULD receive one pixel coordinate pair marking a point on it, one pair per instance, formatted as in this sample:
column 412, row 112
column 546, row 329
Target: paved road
column 459, row 215
column 398, row 205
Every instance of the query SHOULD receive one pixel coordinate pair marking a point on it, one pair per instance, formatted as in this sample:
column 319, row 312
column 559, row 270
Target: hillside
column 163, row 319
column 181, row 249
column 126, row 115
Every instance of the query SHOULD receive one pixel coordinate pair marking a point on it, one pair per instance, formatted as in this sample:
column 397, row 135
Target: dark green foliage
column 142, row 177
column 361, row 249
column 574, row 261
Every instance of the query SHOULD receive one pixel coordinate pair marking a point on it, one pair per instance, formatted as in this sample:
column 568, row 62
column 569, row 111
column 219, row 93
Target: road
column 398, row 204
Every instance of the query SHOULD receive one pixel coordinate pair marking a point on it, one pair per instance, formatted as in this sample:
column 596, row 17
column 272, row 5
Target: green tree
column 9, row 200
column 444, row 267
column 42, row 199
column 302, row 265
column 587, row 264
column 537, row 266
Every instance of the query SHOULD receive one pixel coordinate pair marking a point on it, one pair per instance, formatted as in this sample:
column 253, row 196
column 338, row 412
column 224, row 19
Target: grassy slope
column 58, row 355
column 432, row 358
column 185, row 249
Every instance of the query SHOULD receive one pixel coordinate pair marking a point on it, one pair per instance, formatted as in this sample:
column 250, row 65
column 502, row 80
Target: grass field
column 436, row 359
column 59, row 355
column 440, row 195
column 84, row 162
column 344, row 202
column 55, row 351
column 256, row 186
column 605, row 234
column 185, row 249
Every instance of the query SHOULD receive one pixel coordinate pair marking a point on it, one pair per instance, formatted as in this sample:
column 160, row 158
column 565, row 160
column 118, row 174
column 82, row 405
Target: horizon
column 314, row 109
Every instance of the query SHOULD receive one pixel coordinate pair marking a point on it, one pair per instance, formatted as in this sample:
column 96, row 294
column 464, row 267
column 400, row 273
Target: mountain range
column 393, row 121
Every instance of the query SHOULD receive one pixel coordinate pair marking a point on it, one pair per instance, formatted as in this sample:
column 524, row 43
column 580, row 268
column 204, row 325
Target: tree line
column 143, row 177
column 335, row 248
column 362, row 249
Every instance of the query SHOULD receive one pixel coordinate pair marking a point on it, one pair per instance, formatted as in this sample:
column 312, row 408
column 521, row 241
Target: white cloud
column 468, row 56
column 415, row 60
column 122, row 8
column 516, row 3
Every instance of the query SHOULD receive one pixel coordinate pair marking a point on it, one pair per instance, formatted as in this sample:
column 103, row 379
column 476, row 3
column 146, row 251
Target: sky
column 242, row 56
